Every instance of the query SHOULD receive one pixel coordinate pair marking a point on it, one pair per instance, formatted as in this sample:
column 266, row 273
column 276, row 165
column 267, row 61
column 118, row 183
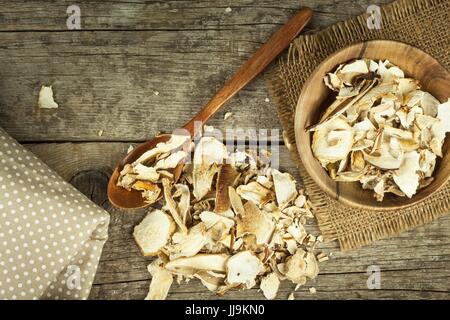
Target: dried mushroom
column 153, row 232
column 269, row 285
column 230, row 220
column 188, row 245
column 147, row 172
column 208, row 156
column 255, row 192
column 382, row 129
column 161, row 282
column 243, row 268
column 255, row 222
column 46, row 100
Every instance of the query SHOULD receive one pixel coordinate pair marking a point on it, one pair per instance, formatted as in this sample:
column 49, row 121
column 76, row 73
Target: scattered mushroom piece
column 242, row 268
column 255, row 222
column 183, row 205
column 300, row 201
column 285, row 189
column 229, row 224
column 46, row 98
column 208, row 156
column 153, row 232
column 190, row 265
column 255, row 192
column 172, row 205
column 190, row 244
column 236, row 201
column 269, row 285
column 218, row 225
column 225, row 179
column 297, row 231
column 227, row 115
column 160, row 284
column 211, row 280
column 300, row 266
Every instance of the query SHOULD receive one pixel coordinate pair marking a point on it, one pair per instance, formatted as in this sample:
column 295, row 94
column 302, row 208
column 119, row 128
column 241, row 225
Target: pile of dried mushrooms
column 230, row 220
column 382, row 129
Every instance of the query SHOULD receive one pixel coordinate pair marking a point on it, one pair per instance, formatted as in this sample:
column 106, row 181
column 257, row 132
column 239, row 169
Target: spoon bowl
column 121, row 197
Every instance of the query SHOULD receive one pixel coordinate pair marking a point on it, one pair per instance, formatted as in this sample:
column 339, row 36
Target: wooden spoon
column 125, row 199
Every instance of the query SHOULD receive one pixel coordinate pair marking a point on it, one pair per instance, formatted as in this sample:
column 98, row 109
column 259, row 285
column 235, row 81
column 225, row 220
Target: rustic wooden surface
column 105, row 78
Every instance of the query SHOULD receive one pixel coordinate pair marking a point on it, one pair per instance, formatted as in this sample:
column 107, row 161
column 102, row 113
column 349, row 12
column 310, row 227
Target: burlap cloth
column 422, row 23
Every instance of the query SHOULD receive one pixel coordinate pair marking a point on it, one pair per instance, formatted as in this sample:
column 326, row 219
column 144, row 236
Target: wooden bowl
column 433, row 77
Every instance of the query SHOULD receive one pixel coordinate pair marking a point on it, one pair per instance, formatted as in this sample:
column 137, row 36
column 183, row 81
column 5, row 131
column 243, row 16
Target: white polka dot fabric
column 51, row 235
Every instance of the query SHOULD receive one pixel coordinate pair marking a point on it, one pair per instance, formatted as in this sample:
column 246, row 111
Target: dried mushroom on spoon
column 381, row 130
column 147, row 173
column 230, row 221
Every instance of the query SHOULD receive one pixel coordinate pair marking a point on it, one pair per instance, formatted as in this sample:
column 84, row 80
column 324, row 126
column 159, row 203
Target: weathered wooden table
column 138, row 67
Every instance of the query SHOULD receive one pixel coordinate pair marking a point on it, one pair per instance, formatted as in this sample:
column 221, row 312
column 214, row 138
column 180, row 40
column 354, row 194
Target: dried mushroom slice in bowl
column 368, row 127
column 382, row 130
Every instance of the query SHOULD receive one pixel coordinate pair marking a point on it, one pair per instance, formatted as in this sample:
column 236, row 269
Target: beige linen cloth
column 51, row 235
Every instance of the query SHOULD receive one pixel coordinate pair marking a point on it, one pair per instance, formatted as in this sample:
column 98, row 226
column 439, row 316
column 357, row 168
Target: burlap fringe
column 393, row 227
column 278, row 82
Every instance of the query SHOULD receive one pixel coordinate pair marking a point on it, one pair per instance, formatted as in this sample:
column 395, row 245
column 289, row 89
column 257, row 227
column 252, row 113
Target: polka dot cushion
column 51, row 235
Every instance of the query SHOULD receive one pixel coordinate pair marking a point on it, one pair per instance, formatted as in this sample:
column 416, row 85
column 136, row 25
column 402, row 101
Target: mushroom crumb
column 227, row 115
column 46, row 100
column 230, row 220
column 321, row 257
column 381, row 130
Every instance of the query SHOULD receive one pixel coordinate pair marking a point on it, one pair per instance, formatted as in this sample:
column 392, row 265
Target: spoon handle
column 252, row 67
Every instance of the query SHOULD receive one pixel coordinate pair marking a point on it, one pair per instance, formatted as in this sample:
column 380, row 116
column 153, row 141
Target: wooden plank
column 413, row 265
column 106, row 80
column 172, row 15
column 328, row 287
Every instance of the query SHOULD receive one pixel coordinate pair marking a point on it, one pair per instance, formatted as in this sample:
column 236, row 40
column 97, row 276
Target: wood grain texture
column 129, row 87
column 413, row 265
column 175, row 15
column 107, row 79
column 251, row 68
